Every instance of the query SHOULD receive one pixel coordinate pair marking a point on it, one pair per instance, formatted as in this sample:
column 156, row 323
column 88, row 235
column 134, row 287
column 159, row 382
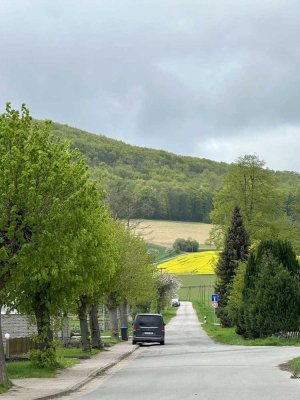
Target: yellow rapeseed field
column 203, row 262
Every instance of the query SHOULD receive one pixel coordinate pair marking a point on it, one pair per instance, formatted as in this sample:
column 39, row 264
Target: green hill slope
column 154, row 184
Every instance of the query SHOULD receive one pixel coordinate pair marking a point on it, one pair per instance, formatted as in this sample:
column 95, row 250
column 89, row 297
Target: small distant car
column 148, row 328
column 175, row 303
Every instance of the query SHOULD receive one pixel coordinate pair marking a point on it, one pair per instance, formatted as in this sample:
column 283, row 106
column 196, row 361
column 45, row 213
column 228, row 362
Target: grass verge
column 3, row 389
column 169, row 314
column 67, row 358
column 24, row 369
column 295, row 367
column 75, row 352
column 229, row 336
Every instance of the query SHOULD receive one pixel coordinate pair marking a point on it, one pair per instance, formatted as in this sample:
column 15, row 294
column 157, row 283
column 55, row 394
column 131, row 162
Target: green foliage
column 151, row 183
column 133, row 278
column 282, row 251
column 271, row 291
column 169, row 313
column 228, row 335
column 44, row 358
column 25, row 369
column 295, row 367
column 74, row 352
column 55, row 232
column 167, row 186
column 188, row 245
column 235, row 250
column 167, row 286
column 160, row 253
column 235, row 297
column 3, row 389
column 256, row 191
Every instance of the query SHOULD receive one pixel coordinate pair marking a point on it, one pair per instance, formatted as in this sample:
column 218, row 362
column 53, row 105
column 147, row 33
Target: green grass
column 228, row 335
column 203, row 290
column 67, row 358
column 113, row 341
column 3, row 389
column 75, row 352
column 24, row 369
column 161, row 253
column 295, row 367
column 169, row 314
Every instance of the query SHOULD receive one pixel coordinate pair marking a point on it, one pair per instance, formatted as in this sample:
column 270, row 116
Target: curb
column 87, row 379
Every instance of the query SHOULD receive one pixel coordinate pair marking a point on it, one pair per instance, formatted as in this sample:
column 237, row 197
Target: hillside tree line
column 154, row 184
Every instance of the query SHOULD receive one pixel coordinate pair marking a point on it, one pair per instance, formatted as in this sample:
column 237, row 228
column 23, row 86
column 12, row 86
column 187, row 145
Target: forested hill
column 148, row 183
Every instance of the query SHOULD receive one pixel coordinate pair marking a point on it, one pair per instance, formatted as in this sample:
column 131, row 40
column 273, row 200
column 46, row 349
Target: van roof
column 156, row 315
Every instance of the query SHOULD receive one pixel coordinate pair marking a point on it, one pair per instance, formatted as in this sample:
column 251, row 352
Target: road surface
column 192, row 366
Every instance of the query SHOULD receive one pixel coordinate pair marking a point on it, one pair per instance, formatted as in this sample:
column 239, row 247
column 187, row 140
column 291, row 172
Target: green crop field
column 196, row 287
column 160, row 253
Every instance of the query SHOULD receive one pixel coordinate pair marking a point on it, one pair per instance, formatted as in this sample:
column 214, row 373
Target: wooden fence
column 19, row 346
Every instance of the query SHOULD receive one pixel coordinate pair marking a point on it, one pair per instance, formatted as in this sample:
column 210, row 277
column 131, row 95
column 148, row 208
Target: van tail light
column 134, row 328
column 163, row 328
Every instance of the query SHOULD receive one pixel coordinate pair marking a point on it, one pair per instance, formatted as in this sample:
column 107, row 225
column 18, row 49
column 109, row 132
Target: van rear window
column 149, row 320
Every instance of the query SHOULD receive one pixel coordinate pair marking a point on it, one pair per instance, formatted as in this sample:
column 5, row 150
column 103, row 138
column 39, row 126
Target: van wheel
column 162, row 342
column 133, row 341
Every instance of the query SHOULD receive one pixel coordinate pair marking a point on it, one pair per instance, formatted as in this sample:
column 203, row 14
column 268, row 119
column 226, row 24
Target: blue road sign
column 214, row 297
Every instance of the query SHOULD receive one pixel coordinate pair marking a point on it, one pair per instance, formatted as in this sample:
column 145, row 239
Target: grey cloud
column 163, row 73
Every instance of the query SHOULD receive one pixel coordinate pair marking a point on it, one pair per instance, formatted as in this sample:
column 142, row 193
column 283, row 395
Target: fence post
column 7, row 336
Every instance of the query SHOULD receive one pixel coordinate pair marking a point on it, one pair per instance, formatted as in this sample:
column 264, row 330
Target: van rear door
column 149, row 326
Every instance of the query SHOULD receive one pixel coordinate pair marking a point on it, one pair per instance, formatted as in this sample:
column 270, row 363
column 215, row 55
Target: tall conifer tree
column 236, row 248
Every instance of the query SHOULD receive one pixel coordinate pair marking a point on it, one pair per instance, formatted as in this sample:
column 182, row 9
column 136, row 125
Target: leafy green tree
column 236, row 249
column 97, row 261
column 167, row 286
column 133, row 280
column 123, row 201
column 47, row 200
column 255, row 190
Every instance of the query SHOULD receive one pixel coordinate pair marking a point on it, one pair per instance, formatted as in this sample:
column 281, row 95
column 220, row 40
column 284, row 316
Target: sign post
column 214, row 304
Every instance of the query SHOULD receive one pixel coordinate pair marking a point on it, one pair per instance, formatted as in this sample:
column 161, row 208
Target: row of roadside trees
column 60, row 249
column 258, row 274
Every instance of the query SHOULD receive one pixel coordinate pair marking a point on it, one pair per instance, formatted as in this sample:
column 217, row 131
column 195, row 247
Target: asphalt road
column 192, row 366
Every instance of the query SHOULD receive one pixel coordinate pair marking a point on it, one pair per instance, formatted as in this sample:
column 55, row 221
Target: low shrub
column 44, row 358
column 189, row 245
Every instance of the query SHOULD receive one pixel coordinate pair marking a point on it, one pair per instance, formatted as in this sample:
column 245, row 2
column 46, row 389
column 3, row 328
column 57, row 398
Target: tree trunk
column 113, row 316
column 159, row 303
column 95, row 330
column 84, row 328
column 123, row 314
column 114, row 326
column 43, row 322
column 3, row 374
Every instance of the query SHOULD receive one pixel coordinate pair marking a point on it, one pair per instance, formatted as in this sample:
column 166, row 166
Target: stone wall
column 17, row 325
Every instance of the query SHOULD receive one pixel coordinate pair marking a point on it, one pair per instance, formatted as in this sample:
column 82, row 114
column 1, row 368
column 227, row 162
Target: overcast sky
column 208, row 78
